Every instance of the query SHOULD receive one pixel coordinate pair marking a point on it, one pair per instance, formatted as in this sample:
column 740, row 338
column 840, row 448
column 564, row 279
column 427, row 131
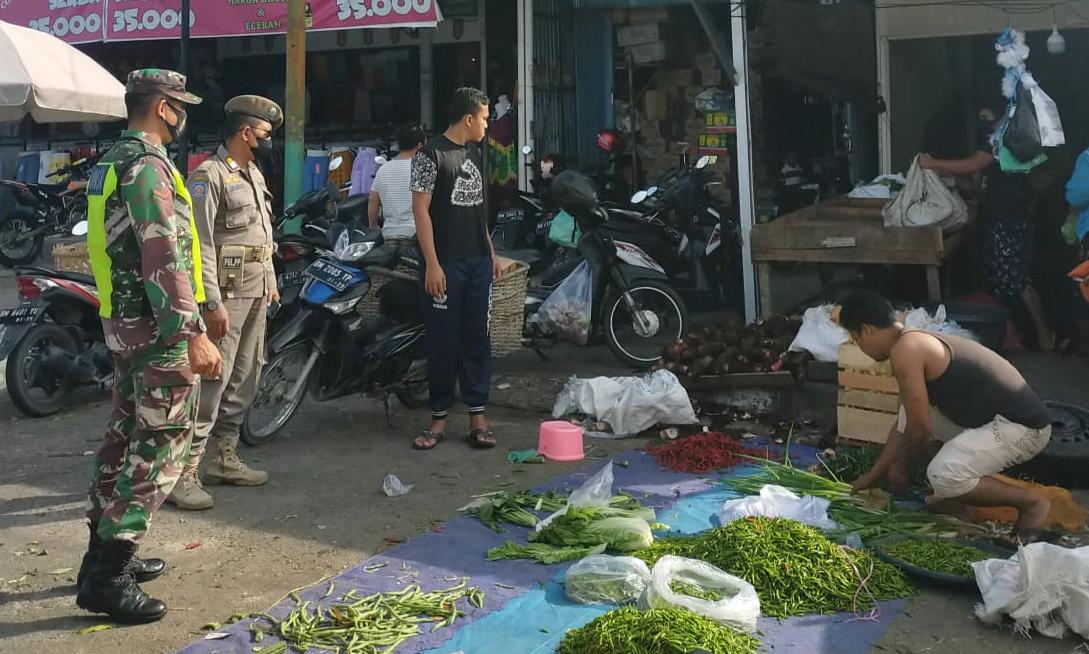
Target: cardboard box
column 655, row 105
column 648, row 53
column 711, row 77
column 631, row 35
column 707, row 61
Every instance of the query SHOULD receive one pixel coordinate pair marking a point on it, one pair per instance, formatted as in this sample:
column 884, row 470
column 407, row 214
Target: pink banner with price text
column 84, row 21
column 74, row 21
column 128, row 20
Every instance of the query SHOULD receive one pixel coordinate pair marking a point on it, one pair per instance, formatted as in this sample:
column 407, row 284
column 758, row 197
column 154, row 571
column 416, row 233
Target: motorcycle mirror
column 80, row 228
column 335, row 162
column 703, row 162
column 652, row 191
column 527, row 150
column 640, row 197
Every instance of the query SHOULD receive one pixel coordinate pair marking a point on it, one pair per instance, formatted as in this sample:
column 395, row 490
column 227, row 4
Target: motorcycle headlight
column 346, row 251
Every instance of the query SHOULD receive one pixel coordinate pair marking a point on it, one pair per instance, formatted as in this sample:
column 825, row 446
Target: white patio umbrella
column 52, row 81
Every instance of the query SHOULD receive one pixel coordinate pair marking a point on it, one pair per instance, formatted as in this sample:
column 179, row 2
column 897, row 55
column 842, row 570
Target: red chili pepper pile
column 701, row 453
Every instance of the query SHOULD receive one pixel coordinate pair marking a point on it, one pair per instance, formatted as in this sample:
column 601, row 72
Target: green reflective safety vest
column 101, row 186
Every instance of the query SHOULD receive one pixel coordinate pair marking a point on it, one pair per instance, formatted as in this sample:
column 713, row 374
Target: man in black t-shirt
column 459, row 268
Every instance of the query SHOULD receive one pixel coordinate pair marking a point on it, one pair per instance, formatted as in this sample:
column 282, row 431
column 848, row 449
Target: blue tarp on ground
column 525, row 608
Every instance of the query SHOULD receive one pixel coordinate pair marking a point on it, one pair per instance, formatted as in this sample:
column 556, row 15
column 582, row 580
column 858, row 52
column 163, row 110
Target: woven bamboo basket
column 71, row 257
column 507, row 310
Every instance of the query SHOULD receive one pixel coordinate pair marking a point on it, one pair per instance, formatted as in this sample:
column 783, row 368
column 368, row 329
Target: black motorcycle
column 633, row 306
column 326, row 347
column 53, row 340
column 44, row 210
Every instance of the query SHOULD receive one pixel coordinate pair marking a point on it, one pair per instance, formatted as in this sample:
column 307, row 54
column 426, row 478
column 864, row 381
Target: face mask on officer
column 178, row 128
column 262, row 146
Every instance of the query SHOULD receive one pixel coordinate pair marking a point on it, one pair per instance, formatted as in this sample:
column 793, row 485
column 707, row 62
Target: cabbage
column 620, row 533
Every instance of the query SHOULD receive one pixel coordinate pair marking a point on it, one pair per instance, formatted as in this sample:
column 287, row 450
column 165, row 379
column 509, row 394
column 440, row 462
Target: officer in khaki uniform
column 232, row 207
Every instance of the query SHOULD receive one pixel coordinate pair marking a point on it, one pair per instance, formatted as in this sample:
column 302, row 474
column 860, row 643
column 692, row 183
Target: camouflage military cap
column 257, row 107
column 158, row 80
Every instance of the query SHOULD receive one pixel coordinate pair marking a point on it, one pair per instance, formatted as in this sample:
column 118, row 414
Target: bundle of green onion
column 657, row 631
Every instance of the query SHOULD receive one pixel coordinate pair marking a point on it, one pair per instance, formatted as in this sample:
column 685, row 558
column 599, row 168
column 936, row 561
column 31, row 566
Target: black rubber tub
column 931, row 577
column 987, row 322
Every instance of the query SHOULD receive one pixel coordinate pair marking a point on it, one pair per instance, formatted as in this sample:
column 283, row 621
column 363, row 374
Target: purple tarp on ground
column 439, row 560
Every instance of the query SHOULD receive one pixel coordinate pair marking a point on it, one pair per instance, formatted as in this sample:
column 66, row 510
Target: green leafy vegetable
column 541, row 552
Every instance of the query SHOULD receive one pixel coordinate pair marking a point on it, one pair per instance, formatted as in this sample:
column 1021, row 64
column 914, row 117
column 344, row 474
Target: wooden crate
column 868, row 397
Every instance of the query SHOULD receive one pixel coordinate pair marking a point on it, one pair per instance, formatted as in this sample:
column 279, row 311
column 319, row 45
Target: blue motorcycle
column 328, row 348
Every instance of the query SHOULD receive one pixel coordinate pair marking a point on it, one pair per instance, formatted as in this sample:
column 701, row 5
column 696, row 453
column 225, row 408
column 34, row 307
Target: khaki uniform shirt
column 232, row 207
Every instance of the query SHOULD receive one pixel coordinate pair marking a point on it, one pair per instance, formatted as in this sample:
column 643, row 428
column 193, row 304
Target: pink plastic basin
column 560, row 441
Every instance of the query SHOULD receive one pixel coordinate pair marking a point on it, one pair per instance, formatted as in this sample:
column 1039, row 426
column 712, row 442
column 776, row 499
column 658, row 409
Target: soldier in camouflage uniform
column 145, row 258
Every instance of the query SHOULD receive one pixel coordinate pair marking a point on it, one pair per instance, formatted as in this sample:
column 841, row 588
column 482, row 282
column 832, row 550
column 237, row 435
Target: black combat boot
column 144, row 569
column 110, row 587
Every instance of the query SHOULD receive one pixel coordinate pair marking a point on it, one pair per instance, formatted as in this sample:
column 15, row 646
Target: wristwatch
column 211, row 305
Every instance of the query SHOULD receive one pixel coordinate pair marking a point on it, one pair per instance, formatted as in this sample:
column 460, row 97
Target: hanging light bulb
column 1056, row 44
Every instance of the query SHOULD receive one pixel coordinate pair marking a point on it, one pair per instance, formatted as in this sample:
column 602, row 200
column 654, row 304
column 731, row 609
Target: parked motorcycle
column 53, row 340
column 44, row 210
column 328, row 348
column 633, row 305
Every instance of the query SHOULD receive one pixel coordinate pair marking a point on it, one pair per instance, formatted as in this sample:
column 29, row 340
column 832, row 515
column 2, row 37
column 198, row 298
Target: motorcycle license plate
column 509, row 216
column 328, row 272
column 291, row 278
column 20, row 315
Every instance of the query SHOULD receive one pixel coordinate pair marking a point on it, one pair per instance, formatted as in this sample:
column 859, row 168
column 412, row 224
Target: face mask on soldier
column 178, row 128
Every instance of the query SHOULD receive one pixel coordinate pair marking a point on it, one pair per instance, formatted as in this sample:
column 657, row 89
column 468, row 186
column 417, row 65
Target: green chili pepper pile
column 938, row 555
column 796, row 570
column 691, row 590
column 373, row 624
column 540, row 552
column 671, row 545
column 657, row 631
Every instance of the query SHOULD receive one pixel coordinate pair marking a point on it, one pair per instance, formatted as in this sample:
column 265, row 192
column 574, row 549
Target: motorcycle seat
column 79, row 278
column 352, row 208
column 526, row 256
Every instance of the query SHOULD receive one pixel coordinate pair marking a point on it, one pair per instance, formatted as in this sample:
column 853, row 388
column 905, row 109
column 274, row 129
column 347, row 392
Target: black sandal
column 428, row 435
column 478, row 438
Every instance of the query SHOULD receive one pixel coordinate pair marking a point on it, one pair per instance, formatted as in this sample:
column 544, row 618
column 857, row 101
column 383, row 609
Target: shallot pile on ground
column 733, row 347
column 701, row 453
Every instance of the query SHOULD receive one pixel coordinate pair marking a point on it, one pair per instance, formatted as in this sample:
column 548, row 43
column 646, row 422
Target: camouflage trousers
column 147, row 440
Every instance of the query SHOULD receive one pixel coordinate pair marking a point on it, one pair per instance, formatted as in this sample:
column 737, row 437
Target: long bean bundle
column 374, row 624
column 657, row 631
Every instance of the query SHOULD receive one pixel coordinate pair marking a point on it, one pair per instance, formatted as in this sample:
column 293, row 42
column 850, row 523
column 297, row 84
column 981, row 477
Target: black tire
column 416, row 393
column 36, row 388
column 16, row 250
column 1066, row 458
column 637, row 350
column 273, row 390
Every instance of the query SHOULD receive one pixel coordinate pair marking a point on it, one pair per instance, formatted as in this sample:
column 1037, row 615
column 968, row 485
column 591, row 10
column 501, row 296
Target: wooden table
column 848, row 231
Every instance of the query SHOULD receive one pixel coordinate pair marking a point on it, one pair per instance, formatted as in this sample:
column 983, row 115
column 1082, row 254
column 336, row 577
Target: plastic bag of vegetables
column 703, row 589
column 566, row 312
column 603, row 579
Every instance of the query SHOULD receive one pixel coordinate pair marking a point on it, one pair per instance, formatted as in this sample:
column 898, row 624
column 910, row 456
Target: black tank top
column 979, row 384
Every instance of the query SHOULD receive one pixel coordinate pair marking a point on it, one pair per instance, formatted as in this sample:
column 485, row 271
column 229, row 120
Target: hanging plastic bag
column 604, row 579
column 925, row 202
column 778, row 502
column 1047, row 113
column 563, row 231
column 566, row 312
column 595, row 491
column 737, row 605
column 1022, row 136
column 1011, row 164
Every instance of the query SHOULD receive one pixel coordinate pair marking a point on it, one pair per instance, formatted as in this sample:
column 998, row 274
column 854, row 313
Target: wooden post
column 763, row 286
column 295, row 112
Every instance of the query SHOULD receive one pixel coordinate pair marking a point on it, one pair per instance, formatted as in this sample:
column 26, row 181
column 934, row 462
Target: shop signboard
column 74, row 21
column 85, row 21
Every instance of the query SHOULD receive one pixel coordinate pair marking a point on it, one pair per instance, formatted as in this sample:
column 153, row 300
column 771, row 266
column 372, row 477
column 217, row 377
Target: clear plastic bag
column 603, row 579
column 566, row 312
column 738, row 606
column 595, row 491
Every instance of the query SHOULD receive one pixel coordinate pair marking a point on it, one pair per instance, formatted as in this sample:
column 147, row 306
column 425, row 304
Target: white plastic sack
column 604, row 579
column 628, row 404
column 819, row 335
column 925, row 202
column 1044, row 587
column 739, row 606
column 566, row 312
column 595, row 491
column 1047, row 113
column 778, row 502
column 921, row 320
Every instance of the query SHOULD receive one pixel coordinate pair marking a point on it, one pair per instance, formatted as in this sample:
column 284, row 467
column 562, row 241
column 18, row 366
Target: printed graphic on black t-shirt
column 451, row 174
